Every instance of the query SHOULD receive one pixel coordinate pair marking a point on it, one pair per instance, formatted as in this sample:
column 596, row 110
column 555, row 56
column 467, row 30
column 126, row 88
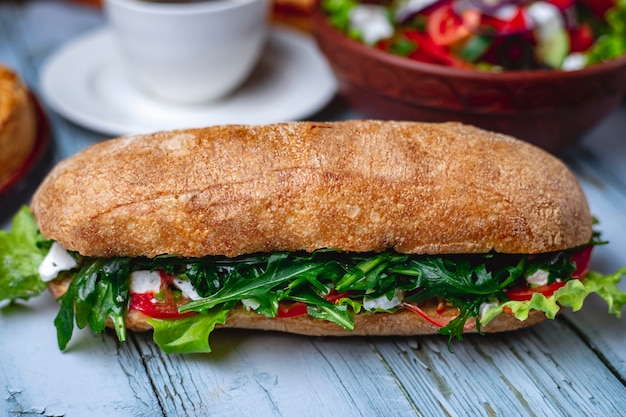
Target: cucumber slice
column 553, row 50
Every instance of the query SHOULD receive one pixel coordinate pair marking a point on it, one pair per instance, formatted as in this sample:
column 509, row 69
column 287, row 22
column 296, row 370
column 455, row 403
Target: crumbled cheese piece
column 546, row 18
column 538, row 278
column 371, row 22
column 506, row 12
column 486, row 306
column 382, row 302
column 186, row 288
column 574, row 62
column 250, row 303
column 142, row 282
column 57, row 260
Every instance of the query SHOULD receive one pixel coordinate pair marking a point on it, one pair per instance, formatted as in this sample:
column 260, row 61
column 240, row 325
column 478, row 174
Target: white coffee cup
column 189, row 51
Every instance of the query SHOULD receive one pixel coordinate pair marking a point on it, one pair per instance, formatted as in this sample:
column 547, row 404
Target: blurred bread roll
column 17, row 123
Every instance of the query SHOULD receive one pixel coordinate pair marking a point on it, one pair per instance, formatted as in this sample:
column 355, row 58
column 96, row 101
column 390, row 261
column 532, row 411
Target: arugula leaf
column 21, row 252
column 465, row 285
column 278, row 272
column 321, row 309
column 366, row 274
column 98, row 291
column 189, row 334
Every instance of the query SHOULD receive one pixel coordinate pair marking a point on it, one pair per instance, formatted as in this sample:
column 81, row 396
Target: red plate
column 42, row 141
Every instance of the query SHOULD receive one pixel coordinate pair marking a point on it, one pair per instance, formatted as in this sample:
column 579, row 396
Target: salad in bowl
column 490, row 35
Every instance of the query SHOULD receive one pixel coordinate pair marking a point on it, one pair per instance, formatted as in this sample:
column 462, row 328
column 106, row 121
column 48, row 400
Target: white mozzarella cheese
column 547, row 19
column 186, row 288
column 143, row 282
column 250, row 303
column 383, row 303
column 538, row 278
column 57, row 260
column 372, row 22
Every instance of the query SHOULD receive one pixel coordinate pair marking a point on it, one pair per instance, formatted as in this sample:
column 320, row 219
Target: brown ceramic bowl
column 548, row 108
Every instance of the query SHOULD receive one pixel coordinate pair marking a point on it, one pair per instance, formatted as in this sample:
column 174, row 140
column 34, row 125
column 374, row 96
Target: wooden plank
column 94, row 376
column 544, row 371
column 276, row 374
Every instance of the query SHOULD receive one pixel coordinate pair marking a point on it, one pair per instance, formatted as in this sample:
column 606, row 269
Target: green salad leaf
column 21, row 252
column 188, row 334
column 611, row 44
column 98, row 292
column 606, row 287
column 571, row 295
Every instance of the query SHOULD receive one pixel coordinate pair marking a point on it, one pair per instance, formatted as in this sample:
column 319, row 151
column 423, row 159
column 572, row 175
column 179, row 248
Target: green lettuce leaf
column 21, row 252
column 571, row 295
column 612, row 43
column 606, row 287
column 189, row 334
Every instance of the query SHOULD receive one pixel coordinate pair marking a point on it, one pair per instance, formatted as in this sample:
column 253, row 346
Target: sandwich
column 324, row 229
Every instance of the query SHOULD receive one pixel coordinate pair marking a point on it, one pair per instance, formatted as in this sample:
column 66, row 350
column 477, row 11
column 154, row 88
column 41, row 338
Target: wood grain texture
column 94, row 377
column 276, row 374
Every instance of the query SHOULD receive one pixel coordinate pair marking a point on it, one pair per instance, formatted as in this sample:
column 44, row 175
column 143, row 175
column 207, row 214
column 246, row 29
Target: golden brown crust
column 356, row 185
column 400, row 323
column 17, row 123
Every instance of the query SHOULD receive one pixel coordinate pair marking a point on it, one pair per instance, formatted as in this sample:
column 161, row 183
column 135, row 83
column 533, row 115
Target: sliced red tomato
column 158, row 309
column 581, row 38
column 428, row 51
column 446, row 27
column 517, row 23
column 163, row 306
column 526, row 293
column 296, row 309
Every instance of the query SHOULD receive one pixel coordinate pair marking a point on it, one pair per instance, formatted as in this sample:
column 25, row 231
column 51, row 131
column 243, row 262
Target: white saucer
column 86, row 83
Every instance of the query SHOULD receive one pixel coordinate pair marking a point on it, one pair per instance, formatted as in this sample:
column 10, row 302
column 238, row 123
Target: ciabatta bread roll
column 359, row 186
column 417, row 208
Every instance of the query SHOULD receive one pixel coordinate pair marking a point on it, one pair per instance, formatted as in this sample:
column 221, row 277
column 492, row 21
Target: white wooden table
column 573, row 366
